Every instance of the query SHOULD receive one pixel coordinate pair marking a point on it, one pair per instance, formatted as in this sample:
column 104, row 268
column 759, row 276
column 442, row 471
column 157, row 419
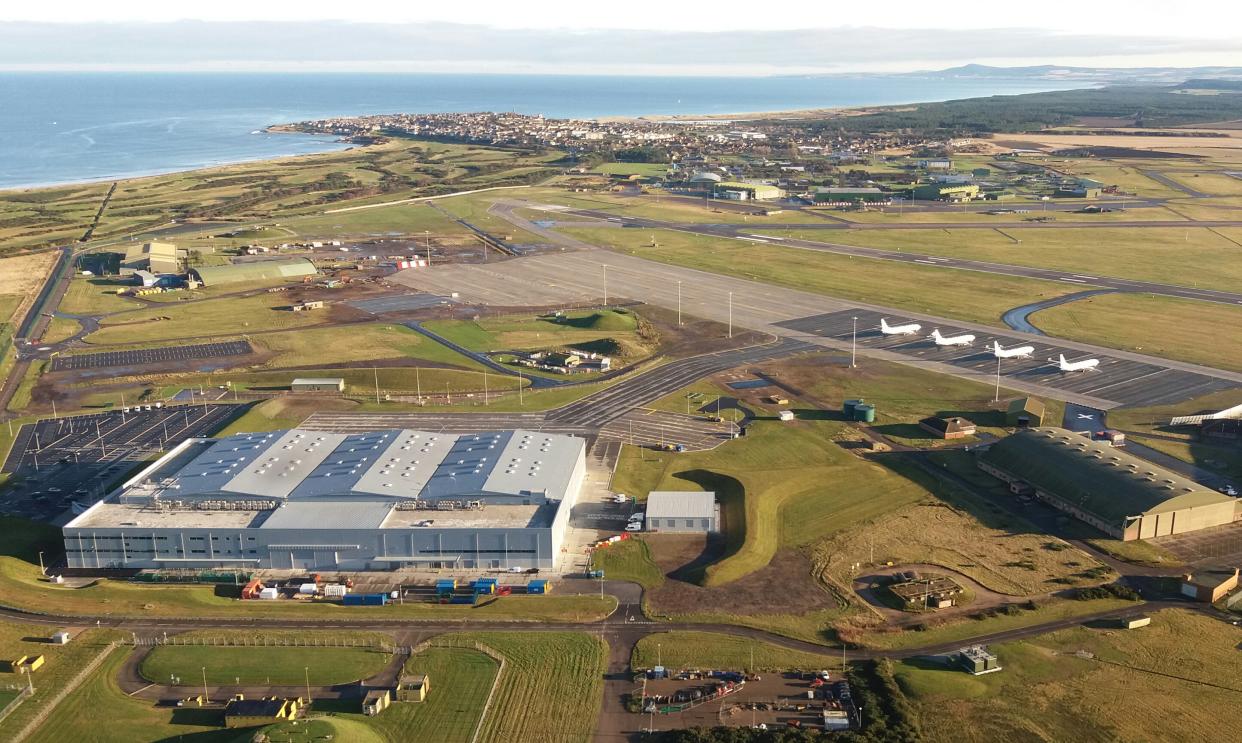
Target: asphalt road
column 746, row 232
column 580, row 276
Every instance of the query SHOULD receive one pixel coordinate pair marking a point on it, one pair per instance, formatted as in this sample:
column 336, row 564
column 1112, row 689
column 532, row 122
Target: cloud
column 475, row 48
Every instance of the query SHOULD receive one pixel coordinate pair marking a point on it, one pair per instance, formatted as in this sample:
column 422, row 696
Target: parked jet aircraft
column 887, row 329
column 1018, row 352
column 956, row 340
column 1072, row 366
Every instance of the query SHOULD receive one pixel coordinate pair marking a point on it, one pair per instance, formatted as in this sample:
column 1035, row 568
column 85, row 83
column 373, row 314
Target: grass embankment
column 314, row 730
column 22, row 588
column 1207, row 333
column 629, row 560
column 771, row 486
column 686, row 650
column 1047, row 691
column 984, row 298
column 617, row 333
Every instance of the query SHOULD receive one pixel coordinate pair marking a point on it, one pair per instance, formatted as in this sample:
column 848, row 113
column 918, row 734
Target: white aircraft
column 1073, row 366
column 1019, row 352
column 887, row 329
column 955, row 340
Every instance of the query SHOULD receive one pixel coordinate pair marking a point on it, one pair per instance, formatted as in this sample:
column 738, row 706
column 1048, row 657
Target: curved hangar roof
column 1094, row 476
column 398, row 463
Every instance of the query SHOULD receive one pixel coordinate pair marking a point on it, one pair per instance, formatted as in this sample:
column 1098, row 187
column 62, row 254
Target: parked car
column 1228, row 490
column 638, row 516
column 634, row 526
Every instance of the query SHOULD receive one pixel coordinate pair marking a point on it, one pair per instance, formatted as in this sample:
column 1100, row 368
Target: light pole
column 427, row 241
column 854, row 344
column 730, row 314
column 206, row 697
column 998, row 371
column 605, row 267
column 306, row 669
column 679, row 303
column 42, row 570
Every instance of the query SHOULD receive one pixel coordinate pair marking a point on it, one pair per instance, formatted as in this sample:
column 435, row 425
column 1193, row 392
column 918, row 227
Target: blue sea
column 70, row 127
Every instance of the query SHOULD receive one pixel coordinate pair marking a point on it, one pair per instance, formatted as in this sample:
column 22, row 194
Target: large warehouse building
column 283, row 268
column 306, row 500
column 1119, row 494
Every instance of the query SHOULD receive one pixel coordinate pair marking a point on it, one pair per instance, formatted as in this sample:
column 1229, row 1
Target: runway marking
column 1076, row 281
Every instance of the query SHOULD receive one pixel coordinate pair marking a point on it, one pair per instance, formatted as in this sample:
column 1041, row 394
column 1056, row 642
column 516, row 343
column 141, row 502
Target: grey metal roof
column 681, row 504
column 500, row 466
column 353, row 513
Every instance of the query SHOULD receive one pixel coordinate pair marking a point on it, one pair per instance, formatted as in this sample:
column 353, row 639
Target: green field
column 628, row 560
column 984, row 298
column 644, row 169
column 279, row 198
column 1208, row 333
column 771, row 488
column 214, row 318
column 95, row 297
column 551, row 687
column 679, row 649
column 1048, row 692
column 1189, row 256
column 460, row 680
column 78, row 717
column 315, row 730
column 282, row 666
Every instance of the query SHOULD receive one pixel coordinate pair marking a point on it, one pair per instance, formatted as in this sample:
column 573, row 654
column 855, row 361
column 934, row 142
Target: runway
column 574, row 277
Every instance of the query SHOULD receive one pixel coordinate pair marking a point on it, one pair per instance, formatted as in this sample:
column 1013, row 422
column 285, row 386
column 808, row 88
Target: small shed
column 246, row 713
column 376, row 701
column 413, row 688
column 785, row 415
column 682, row 511
column 61, row 638
column 976, row 660
column 1025, row 412
column 1209, row 586
column 318, row 384
column 1134, row 622
column 952, row 427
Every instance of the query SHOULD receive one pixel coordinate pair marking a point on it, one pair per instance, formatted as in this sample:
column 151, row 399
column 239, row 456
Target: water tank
column 848, row 406
column 864, row 413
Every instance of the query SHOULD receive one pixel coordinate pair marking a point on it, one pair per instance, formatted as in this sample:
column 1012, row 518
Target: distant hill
column 1130, row 75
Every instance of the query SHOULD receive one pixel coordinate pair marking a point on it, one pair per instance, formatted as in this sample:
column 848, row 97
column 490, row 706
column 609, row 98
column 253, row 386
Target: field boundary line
column 70, row 687
column 484, row 649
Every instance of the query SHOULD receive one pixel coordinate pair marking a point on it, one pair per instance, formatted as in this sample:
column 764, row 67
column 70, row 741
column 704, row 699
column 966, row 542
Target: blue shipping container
column 365, row 599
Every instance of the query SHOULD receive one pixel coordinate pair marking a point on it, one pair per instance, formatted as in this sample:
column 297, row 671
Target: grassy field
column 771, row 486
column 95, row 297
column 1047, row 692
column 59, row 329
column 586, row 330
column 78, row 717
column 63, row 662
column 1206, row 333
column 1217, row 184
column 461, row 679
column 1190, row 256
column 629, row 560
column 644, row 169
column 281, row 666
column 682, row 650
column 275, row 193
column 965, row 628
column 551, row 687
column 983, row 299
column 314, row 730
column 210, row 319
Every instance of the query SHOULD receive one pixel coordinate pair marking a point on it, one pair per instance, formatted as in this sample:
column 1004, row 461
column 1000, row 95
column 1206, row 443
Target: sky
column 631, row 36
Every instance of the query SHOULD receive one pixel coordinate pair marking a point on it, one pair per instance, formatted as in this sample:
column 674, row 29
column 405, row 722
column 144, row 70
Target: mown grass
column 679, row 649
column 628, row 560
column 983, row 298
column 551, row 687
column 281, row 666
column 1208, row 333
column 783, row 485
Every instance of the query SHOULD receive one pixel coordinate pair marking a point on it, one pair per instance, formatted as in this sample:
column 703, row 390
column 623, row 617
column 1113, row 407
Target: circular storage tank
column 848, row 406
column 864, row 413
